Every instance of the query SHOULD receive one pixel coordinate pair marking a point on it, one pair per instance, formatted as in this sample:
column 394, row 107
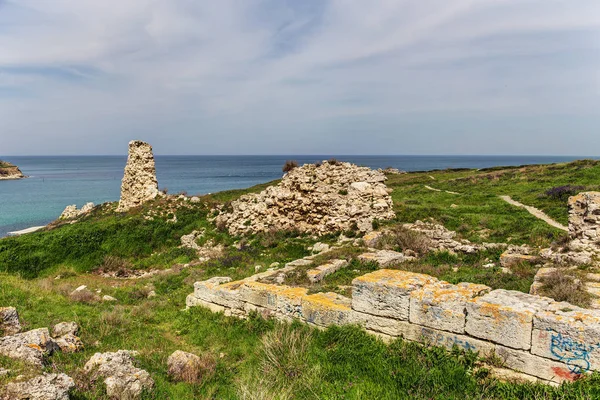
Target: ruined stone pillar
column 584, row 220
column 139, row 181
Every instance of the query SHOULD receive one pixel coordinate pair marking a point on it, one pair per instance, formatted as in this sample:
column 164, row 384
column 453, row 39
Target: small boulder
column 30, row 346
column 9, row 321
column 65, row 336
column 42, row 387
column 108, row 298
column 122, row 378
column 188, row 367
column 320, row 247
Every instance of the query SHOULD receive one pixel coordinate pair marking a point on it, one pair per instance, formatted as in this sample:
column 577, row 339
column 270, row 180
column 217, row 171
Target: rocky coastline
column 10, row 171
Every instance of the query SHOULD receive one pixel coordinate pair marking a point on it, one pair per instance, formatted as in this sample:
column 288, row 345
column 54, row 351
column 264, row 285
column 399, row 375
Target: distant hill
column 9, row 171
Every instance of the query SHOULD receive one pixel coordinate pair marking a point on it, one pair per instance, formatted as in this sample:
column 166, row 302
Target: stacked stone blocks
column 534, row 335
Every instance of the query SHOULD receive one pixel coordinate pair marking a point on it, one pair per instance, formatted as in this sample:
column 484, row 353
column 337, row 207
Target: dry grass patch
column 563, row 287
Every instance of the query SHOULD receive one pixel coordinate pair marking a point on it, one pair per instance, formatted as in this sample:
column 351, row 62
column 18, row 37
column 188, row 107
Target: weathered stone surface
column 517, row 254
column 384, row 257
column 540, row 367
column 388, row 326
column 71, row 212
column 449, row 340
column 28, row 346
column 569, row 334
column 122, row 378
column 188, row 367
column 65, row 337
column 192, row 301
column 317, row 274
column 442, row 239
column 42, row 387
column 320, row 247
column 324, row 309
column 504, row 317
column 317, row 199
column 9, row 321
column 386, row 292
column 139, row 181
column 441, row 305
column 372, row 239
column 283, row 300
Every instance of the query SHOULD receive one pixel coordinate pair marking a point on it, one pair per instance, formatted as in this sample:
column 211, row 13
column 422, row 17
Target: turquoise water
column 56, row 182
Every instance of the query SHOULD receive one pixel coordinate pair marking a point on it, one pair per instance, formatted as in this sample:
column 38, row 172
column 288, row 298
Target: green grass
column 254, row 356
column 257, row 357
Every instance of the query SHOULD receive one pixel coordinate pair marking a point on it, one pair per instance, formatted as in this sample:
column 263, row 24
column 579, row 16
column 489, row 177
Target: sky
column 300, row 76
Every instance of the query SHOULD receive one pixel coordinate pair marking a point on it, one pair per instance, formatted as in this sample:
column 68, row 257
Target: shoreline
column 25, row 231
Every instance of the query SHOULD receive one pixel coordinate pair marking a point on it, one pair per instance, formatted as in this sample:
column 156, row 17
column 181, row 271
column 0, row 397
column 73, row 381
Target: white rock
column 9, row 321
column 42, row 387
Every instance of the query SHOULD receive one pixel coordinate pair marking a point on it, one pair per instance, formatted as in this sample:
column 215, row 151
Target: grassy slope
column 337, row 363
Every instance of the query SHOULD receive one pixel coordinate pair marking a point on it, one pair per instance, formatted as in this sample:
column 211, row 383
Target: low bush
column 289, row 165
column 563, row 193
column 562, row 287
column 400, row 238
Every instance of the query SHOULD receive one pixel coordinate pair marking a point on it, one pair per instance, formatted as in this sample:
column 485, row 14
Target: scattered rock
column 391, row 171
column 80, row 288
column 195, row 199
column 372, row 239
column 65, row 337
column 188, row 367
column 151, row 294
column 122, row 378
column 139, row 181
column 516, row 254
column 320, row 247
column 108, row 298
column 28, row 346
column 443, row 239
column 9, row 321
column 42, row 387
column 71, row 212
column 385, row 257
column 315, row 199
column 190, row 239
column 4, row 372
column 317, row 274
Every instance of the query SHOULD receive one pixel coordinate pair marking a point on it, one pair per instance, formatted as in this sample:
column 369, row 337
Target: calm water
column 56, row 182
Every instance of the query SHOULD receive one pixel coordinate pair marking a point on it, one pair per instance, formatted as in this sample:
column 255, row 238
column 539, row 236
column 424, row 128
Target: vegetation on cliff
column 9, row 171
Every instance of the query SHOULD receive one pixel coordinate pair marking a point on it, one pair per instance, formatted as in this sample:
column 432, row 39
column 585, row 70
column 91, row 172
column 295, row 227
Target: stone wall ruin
column 533, row 335
column 319, row 199
column 139, row 182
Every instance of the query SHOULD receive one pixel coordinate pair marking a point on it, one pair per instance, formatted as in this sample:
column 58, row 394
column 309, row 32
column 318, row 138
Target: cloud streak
column 316, row 76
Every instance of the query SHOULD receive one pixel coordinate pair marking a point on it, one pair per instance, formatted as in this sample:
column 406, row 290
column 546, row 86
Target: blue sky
column 300, row 77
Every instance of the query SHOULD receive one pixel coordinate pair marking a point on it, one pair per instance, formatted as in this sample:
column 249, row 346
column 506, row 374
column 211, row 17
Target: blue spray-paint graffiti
column 447, row 340
column 573, row 353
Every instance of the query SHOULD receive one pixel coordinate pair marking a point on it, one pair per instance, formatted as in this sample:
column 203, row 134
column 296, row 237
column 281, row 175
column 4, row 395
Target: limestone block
column 441, row 305
column 449, row 340
column 220, row 291
column 206, row 290
column 9, row 321
column 384, row 257
column 504, row 317
column 324, row 309
column 388, row 326
column 193, row 301
column 568, row 334
column 372, row 238
column 386, row 292
column 508, row 259
column 533, row 365
column 317, row 274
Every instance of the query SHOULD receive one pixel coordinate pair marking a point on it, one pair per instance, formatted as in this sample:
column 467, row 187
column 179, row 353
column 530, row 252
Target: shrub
column 400, row 238
column 289, row 165
column 563, row 287
column 563, row 193
column 333, row 161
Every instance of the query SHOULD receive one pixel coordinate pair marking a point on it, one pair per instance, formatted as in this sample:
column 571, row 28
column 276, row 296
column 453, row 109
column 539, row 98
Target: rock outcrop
column 9, row 321
column 188, row 367
column 65, row 337
column 122, row 378
column 319, row 199
column 9, row 171
column 71, row 212
column 43, row 387
column 584, row 233
column 29, row 346
column 139, row 181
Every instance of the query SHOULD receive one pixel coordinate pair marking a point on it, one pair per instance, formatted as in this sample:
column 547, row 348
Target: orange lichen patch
column 327, row 301
column 443, row 292
column 34, row 346
column 400, row 279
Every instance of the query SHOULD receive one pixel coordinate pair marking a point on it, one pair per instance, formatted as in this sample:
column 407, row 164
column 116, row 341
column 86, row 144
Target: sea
column 57, row 181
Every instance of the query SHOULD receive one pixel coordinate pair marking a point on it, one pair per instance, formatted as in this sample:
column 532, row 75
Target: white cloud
column 267, row 76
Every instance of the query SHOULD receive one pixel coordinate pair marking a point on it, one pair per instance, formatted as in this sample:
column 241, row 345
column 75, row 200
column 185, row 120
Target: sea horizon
column 55, row 181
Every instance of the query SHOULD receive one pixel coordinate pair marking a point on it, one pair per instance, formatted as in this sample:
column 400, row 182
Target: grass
column 265, row 359
column 255, row 358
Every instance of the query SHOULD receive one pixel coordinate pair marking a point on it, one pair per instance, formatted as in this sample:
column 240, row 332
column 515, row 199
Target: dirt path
column 535, row 212
column 439, row 190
